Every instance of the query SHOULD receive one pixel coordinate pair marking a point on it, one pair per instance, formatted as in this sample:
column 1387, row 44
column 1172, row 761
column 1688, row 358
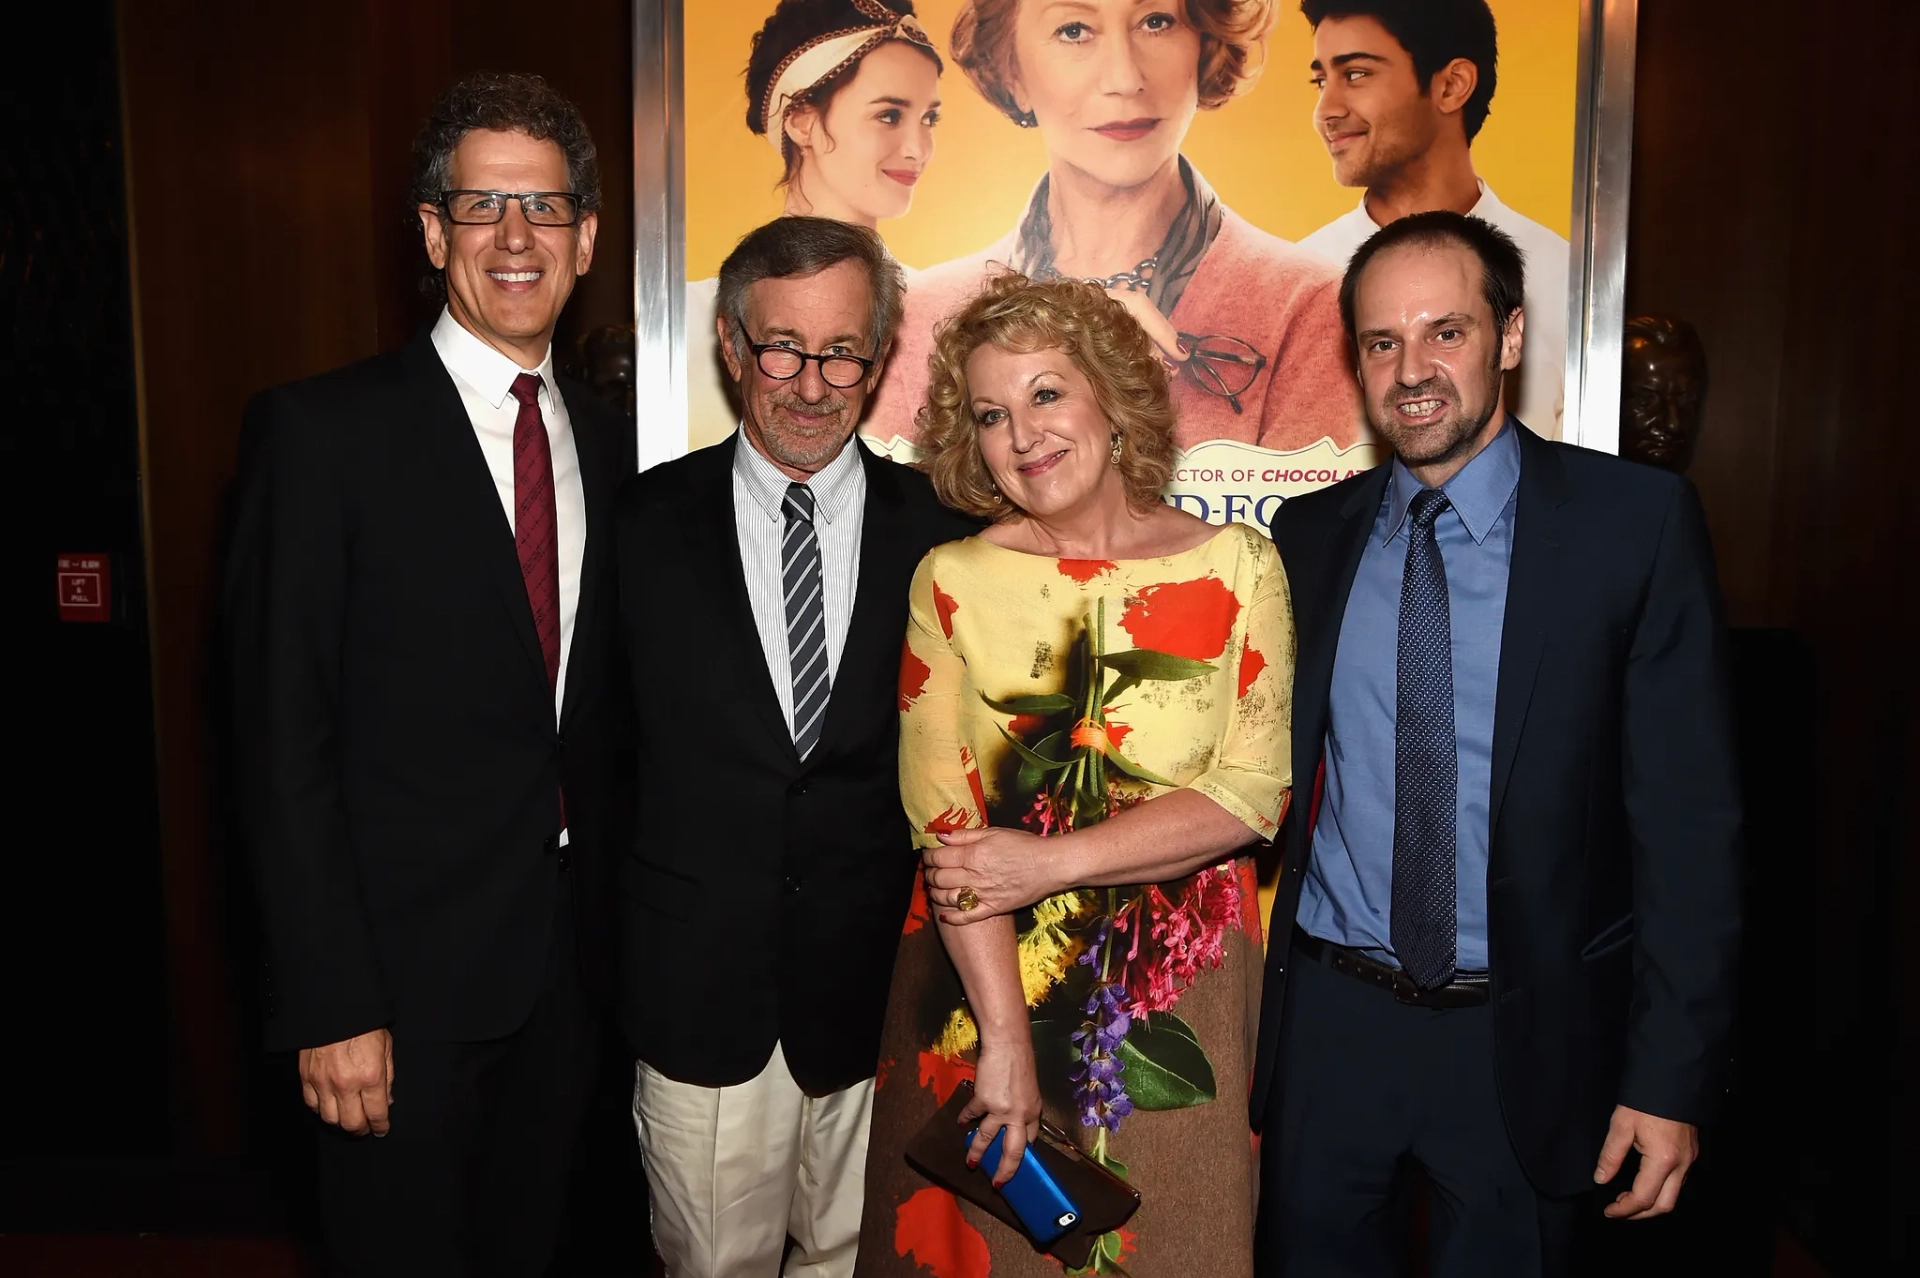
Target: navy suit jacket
column 761, row 894
column 1613, row 879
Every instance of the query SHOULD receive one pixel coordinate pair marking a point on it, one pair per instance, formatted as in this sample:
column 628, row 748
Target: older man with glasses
column 763, row 606
column 422, row 621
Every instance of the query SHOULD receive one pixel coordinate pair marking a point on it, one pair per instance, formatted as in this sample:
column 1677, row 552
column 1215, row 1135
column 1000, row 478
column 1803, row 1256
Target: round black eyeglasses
column 783, row 364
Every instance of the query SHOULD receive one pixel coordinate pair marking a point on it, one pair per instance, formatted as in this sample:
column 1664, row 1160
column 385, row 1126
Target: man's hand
column 350, row 1083
column 1667, row 1149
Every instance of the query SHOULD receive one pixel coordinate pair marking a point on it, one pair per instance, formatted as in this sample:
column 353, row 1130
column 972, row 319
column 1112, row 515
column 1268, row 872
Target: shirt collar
column 1478, row 494
column 487, row 372
column 833, row 484
column 1484, row 208
column 1489, row 208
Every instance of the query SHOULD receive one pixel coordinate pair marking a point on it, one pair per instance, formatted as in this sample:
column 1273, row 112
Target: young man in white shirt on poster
column 1405, row 86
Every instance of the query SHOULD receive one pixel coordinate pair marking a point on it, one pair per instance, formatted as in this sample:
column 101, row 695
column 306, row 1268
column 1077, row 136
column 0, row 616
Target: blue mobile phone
column 1034, row 1195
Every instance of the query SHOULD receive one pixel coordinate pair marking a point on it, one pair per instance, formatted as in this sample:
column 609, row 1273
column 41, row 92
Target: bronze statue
column 603, row 360
column 1663, row 370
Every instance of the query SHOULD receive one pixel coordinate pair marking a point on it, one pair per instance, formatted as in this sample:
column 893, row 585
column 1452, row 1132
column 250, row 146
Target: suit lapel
column 1320, row 639
column 472, row 497
column 596, row 490
column 1533, row 580
column 737, row 637
column 879, row 594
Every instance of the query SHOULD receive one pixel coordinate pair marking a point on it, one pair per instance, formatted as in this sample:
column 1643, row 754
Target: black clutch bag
column 1105, row 1202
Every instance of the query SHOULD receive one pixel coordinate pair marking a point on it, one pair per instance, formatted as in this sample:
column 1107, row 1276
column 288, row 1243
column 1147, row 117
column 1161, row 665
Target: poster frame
column 1596, row 292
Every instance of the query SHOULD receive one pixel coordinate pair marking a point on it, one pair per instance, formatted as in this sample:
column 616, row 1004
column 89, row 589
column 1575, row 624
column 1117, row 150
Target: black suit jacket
column 398, row 761
column 1613, row 875
column 762, row 896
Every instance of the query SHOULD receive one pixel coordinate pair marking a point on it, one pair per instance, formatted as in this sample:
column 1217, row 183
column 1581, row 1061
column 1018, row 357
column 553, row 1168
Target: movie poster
column 1212, row 162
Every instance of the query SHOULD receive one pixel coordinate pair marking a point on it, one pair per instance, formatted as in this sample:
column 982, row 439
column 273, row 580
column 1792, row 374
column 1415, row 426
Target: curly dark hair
column 1104, row 342
column 506, row 102
column 791, row 25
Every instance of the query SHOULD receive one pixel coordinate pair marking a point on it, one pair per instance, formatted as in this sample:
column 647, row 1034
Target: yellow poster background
column 1260, row 152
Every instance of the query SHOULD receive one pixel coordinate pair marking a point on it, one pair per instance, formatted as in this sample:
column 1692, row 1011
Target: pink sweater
column 1267, row 292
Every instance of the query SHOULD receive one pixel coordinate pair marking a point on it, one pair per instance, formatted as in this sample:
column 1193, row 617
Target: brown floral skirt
column 1144, row 1033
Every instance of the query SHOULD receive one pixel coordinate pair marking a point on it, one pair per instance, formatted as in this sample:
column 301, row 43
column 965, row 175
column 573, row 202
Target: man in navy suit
column 1505, row 934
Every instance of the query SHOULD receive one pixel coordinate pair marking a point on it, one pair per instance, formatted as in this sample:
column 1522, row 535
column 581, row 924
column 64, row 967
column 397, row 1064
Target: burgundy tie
column 536, row 523
column 536, row 527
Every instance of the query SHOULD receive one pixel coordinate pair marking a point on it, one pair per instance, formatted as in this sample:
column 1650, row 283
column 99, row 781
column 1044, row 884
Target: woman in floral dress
column 1095, row 716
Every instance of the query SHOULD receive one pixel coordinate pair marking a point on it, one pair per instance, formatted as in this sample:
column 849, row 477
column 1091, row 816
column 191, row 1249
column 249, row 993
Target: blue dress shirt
column 1348, row 891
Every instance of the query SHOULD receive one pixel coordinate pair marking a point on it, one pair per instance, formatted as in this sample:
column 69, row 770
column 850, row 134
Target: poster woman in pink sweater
column 1248, row 323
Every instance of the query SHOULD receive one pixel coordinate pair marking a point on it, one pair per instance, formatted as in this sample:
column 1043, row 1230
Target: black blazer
column 762, row 897
column 1613, row 876
column 398, row 763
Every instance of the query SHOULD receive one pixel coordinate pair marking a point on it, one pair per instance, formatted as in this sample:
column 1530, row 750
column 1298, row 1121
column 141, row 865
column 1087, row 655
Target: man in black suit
column 763, row 606
column 422, row 609
column 1504, row 939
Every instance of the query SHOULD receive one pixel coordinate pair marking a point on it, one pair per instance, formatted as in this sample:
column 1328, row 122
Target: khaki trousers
column 734, row 1171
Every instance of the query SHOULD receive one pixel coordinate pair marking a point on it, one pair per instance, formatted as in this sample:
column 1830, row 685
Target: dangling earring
column 1117, row 448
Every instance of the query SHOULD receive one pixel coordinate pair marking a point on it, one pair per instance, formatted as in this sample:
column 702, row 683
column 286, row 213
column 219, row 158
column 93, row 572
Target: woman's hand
column 1006, row 1095
column 1005, row 869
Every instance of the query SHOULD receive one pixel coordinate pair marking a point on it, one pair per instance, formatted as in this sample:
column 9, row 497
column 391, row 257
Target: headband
column 826, row 56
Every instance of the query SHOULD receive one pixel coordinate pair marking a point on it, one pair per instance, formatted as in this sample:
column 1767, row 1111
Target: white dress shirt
column 485, row 379
column 1541, row 398
column 839, row 506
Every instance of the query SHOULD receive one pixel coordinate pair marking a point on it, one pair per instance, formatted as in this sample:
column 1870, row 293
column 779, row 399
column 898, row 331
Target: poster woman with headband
column 1248, row 322
column 847, row 93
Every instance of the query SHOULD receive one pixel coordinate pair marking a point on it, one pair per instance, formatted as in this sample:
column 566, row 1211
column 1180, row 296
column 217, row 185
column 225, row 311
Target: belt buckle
column 1442, row 996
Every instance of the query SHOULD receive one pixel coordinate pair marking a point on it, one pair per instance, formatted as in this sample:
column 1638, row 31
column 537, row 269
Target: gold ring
column 966, row 899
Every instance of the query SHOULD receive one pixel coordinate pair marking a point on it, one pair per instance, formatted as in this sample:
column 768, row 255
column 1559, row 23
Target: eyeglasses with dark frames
column 783, row 363
column 1222, row 366
column 484, row 208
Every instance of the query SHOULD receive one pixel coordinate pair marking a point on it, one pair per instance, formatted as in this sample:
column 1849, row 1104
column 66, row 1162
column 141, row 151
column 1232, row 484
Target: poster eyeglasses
column 1222, row 366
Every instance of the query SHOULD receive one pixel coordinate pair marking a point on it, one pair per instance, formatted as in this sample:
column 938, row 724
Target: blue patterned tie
column 806, row 618
column 1426, row 770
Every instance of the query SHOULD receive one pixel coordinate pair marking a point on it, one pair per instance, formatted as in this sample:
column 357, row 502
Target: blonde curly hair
column 1233, row 48
column 1105, row 343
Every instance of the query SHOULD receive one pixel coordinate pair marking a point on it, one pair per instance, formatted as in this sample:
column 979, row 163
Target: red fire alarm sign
column 86, row 587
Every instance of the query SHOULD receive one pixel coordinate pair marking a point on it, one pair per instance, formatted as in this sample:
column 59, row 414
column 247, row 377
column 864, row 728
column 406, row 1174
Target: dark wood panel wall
column 247, row 152
column 268, row 155
column 1774, row 192
column 1773, row 198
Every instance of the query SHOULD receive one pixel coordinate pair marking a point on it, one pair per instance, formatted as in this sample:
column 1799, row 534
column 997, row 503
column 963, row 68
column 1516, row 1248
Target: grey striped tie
column 806, row 619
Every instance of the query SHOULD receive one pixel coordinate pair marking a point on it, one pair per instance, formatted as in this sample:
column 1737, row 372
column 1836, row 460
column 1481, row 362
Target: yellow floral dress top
column 1048, row 694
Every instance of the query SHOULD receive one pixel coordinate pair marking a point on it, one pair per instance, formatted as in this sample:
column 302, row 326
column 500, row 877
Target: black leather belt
column 1461, row 991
